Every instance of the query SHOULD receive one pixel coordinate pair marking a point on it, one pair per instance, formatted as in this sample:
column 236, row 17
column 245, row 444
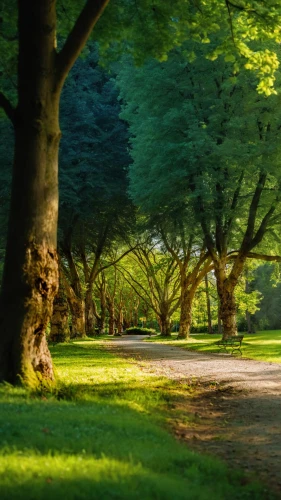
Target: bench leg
column 236, row 349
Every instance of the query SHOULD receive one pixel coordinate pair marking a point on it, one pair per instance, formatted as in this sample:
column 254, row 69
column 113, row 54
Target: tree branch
column 258, row 256
column 78, row 37
column 7, row 107
column 263, row 225
column 253, row 212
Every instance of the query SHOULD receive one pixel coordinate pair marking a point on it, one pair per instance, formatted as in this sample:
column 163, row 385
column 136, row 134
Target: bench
column 234, row 343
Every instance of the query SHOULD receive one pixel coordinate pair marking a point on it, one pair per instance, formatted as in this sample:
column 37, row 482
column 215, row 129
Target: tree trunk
column 225, row 287
column 119, row 322
column 227, row 301
column 165, row 325
column 228, row 313
column 89, row 313
column 30, row 277
column 77, row 308
column 102, row 316
column 187, row 296
column 210, row 328
column 111, row 319
column 59, row 323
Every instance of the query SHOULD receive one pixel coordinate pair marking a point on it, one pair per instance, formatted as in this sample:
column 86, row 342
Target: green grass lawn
column 263, row 346
column 102, row 435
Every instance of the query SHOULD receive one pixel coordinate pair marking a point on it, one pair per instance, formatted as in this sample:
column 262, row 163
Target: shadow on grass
column 104, row 443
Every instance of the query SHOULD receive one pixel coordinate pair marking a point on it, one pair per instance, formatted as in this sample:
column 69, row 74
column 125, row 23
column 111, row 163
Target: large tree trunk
column 77, row 308
column 225, row 290
column 187, row 296
column 30, row 276
column 225, row 287
column 59, row 323
column 228, row 312
column 165, row 325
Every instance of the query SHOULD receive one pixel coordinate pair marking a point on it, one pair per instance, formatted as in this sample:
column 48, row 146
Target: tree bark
column 60, row 331
column 111, row 319
column 30, row 278
column 77, row 309
column 186, row 313
column 225, row 289
column 102, row 313
column 119, row 322
column 89, row 312
column 165, row 325
column 228, row 312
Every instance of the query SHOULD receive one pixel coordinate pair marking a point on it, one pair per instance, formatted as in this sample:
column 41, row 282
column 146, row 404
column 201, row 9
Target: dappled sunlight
column 101, row 438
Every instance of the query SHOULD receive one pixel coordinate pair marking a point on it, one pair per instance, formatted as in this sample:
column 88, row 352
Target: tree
column 191, row 145
column 193, row 263
column 266, row 279
column 95, row 211
column 30, row 275
column 156, row 281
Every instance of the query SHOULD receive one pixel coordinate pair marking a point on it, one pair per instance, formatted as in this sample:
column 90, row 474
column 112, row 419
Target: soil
column 235, row 412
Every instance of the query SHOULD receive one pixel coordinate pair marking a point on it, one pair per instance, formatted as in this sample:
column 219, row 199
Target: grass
column 262, row 346
column 102, row 436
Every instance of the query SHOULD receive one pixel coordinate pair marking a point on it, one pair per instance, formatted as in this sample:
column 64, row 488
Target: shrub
column 137, row 330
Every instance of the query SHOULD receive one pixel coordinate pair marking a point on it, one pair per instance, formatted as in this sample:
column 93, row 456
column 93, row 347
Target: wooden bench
column 234, row 343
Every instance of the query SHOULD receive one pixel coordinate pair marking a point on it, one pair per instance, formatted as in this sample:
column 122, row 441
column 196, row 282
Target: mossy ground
column 101, row 434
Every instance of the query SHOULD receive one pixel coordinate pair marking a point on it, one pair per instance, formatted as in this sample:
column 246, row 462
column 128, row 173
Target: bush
column 137, row 330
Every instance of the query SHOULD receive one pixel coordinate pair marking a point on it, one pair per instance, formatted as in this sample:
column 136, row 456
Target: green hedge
column 137, row 330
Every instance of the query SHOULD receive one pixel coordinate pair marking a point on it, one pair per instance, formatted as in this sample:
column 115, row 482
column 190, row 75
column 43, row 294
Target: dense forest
column 169, row 175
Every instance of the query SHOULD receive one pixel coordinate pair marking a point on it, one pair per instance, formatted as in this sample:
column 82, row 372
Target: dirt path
column 237, row 412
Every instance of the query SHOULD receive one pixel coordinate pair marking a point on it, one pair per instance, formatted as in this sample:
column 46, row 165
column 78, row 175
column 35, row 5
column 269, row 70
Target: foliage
column 266, row 281
column 136, row 330
column 195, row 132
column 99, row 444
column 144, row 29
column 93, row 158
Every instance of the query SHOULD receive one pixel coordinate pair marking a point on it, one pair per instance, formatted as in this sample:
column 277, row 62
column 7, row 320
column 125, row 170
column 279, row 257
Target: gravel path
column 241, row 420
column 249, row 374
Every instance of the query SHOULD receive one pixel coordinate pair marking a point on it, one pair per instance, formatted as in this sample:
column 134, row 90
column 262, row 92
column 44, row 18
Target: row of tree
column 205, row 171
column 34, row 68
